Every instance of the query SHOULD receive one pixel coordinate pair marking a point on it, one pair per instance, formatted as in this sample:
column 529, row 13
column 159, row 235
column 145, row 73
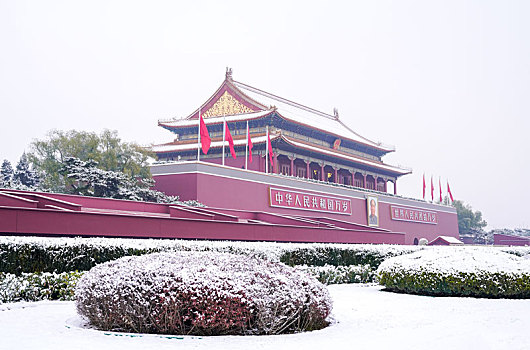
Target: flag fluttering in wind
column 440, row 185
column 230, row 141
column 249, row 145
column 204, row 135
column 449, row 191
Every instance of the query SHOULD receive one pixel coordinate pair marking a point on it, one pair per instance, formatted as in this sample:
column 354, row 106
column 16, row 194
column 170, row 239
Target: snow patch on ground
column 365, row 317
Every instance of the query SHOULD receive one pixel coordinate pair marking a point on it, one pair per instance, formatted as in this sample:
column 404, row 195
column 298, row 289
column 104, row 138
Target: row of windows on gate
column 285, row 169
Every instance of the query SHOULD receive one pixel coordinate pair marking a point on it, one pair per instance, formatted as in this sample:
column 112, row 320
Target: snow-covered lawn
column 365, row 317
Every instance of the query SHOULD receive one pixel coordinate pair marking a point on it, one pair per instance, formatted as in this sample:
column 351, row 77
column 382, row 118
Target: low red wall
column 99, row 203
column 502, row 239
column 222, row 187
column 70, row 223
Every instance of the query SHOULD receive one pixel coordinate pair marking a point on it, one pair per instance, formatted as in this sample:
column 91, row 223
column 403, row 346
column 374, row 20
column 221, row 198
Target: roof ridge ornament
column 336, row 113
column 228, row 74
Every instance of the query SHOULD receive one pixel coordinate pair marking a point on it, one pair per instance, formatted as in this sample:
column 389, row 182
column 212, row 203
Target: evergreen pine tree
column 24, row 175
column 6, row 173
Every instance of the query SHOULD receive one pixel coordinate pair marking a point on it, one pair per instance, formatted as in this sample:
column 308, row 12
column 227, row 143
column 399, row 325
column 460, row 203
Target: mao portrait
column 372, row 211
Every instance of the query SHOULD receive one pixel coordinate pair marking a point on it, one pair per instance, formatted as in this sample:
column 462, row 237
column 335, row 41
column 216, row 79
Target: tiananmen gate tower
column 318, row 169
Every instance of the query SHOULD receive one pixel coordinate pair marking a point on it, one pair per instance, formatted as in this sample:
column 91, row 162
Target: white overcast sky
column 446, row 82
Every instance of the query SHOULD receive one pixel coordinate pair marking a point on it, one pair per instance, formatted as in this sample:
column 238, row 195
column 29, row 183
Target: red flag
column 205, row 136
column 249, row 142
column 440, row 184
column 423, row 185
column 432, row 189
column 271, row 155
column 449, row 191
column 230, row 140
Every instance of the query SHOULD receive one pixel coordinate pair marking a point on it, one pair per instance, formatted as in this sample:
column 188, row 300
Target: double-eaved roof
column 238, row 102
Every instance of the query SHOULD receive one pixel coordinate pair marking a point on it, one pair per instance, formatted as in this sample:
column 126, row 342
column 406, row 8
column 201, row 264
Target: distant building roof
column 445, row 240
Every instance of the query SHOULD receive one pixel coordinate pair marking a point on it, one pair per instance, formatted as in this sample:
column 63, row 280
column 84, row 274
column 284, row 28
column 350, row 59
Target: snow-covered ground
column 365, row 317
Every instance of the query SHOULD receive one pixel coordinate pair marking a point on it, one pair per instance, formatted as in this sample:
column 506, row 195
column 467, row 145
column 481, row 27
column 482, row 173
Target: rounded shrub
column 458, row 271
column 201, row 293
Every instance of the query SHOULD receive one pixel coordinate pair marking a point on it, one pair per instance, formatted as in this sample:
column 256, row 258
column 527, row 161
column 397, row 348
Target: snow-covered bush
column 85, row 178
column 201, row 293
column 329, row 274
column 458, row 271
column 522, row 251
column 38, row 286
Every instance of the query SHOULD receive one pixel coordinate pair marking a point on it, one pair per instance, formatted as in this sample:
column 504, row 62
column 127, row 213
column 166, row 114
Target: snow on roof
column 215, row 120
column 449, row 239
column 306, row 115
column 287, row 109
column 351, row 158
column 214, row 144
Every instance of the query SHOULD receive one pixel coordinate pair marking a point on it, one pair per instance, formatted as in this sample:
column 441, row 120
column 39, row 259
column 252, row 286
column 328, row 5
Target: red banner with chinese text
column 309, row 201
column 413, row 215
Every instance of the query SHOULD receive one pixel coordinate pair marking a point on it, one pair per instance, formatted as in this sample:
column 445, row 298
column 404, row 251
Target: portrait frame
column 372, row 218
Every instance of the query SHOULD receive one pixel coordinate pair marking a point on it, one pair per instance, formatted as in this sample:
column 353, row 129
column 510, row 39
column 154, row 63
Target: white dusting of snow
column 269, row 250
column 458, row 259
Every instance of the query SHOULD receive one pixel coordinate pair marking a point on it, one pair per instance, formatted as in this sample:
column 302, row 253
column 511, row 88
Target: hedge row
column 30, row 254
column 482, row 284
column 343, row 254
column 38, row 286
column 330, row 274
column 30, row 257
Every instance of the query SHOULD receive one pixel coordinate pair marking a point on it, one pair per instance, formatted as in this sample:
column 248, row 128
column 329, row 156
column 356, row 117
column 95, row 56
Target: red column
column 364, row 184
column 292, row 166
column 336, row 175
column 322, row 172
column 275, row 160
column 353, row 178
column 375, row 183
column 395, row 186
column 308, row 175
column 386, row 183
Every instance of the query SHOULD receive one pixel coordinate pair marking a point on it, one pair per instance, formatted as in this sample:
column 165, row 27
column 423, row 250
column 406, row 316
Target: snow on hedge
column 202, row 293
column 330, row 274
column 37, row 286
column 458, row 271
column 270, row 250
column 35, row 254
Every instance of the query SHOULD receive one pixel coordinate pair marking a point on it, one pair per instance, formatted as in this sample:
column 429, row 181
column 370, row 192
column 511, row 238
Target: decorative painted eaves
column 234, row 100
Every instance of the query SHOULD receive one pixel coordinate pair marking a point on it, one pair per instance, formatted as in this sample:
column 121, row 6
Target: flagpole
column 224, row 132
column 267, row 151
column 246, row 151
column 440, row 185
column 199, row 137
